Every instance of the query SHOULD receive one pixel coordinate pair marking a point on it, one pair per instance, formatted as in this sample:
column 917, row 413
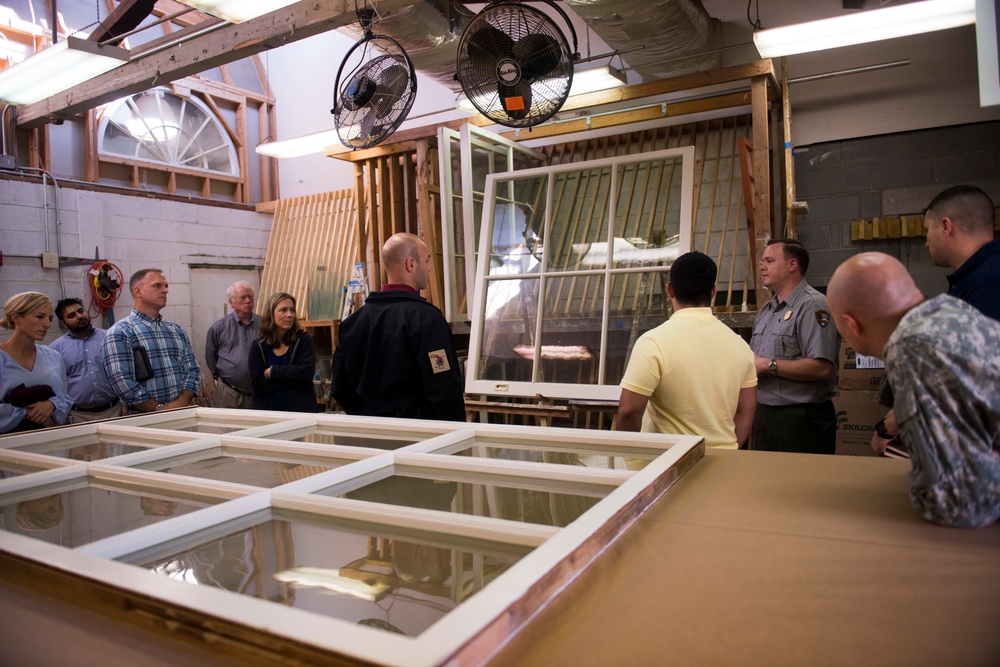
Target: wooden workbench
column 752, row 558
column 761, row 558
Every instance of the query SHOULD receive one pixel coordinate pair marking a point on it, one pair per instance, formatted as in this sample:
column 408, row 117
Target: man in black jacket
column 395, row 357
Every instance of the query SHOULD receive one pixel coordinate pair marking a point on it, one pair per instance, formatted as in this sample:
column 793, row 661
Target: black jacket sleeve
column 257, row 362
column 444, row 391
column 341, row 387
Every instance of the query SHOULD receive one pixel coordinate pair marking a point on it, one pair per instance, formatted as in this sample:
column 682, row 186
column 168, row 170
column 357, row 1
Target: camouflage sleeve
column 955, row 478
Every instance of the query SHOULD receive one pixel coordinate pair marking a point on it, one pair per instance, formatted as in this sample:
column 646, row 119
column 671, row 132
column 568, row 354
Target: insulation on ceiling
column 666, row 29
column 424, row 31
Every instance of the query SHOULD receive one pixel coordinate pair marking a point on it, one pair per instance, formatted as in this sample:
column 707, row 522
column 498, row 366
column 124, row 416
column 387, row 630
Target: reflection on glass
column 330, row 436
column 11, row 469
column 499, row 499
column 579, row 229
column 201, row 425
column 570, row 348
column 160, row 126
column 647, row 214
column 517, row 227
column 93, row 512
column 510, row 325
column 92, row 447
column 247, row 470
column 608, row 459
column 367, row 578
column 639, row 302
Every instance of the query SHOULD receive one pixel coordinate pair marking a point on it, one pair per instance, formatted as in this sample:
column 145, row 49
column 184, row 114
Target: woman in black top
column 282, row 360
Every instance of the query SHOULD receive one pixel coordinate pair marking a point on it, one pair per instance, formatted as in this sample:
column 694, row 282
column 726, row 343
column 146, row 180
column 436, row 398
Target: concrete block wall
column 893, row 174
column 133, row 232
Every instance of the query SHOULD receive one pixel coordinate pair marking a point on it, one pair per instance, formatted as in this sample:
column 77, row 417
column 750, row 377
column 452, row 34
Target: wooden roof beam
column 227, row 44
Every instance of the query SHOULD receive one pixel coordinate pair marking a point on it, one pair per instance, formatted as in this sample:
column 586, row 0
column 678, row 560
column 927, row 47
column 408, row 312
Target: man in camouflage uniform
column 942, row 357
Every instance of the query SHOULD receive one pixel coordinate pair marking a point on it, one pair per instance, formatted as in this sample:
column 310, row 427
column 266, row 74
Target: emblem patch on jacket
column 439, row 361
column 822, row 318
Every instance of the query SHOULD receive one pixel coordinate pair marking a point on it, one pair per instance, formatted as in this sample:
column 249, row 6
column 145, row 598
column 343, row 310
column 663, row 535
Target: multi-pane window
column 573, row 267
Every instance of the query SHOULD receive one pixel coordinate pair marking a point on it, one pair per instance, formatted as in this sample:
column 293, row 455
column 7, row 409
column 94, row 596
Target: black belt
column 238, row 391
column 97, row 408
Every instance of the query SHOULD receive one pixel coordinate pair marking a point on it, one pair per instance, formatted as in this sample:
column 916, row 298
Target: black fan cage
column 375, row 89
column 515, row 65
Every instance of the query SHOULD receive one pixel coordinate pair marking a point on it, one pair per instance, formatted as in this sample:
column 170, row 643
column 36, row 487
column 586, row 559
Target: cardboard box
column 857, row 413
column 857, row 371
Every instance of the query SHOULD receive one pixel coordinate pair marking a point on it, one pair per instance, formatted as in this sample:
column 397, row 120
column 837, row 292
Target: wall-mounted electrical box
column 50, row 260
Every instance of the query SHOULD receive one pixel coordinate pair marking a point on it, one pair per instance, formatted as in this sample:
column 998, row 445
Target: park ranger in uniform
column 795, row 345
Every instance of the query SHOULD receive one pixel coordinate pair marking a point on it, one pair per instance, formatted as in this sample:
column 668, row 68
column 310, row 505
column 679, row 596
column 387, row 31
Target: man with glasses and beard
column 89, row 389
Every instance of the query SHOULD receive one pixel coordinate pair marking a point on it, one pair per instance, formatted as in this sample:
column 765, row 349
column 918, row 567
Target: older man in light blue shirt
column 89, row 388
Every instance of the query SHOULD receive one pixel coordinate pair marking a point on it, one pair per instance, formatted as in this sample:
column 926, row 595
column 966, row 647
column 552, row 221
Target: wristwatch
column 882, row 431
column 773, row 367
column 159, row 406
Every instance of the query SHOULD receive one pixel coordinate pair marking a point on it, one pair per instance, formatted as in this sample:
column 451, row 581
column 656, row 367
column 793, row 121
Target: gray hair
column 231, row 292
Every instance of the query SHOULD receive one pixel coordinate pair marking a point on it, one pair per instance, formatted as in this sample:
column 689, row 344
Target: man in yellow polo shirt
column 692, row 374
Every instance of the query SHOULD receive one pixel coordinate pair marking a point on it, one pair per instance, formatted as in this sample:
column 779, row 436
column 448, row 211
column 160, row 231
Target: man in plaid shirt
column 149, row 361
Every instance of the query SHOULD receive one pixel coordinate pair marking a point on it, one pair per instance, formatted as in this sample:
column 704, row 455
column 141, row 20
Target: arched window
column 160, row 126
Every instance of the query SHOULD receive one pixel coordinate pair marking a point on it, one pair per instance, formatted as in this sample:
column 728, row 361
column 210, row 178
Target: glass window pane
column 579, row 221
column 159, row 126
column 245, row 468
column 501, row 498
column 92, row 512
column 516, row 244
column 571, row 329
column 456, row 165
column 639, row 303
column 327, row 435
column 482, row 159
column 500, row 160
column 94, row 447
column 606, row 459
column 244, row 74
column 509, row 326
column 368, row 577
column 647, row 213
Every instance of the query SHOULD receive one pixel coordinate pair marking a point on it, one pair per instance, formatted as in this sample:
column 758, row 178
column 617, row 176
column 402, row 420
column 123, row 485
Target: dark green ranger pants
column 808, row 428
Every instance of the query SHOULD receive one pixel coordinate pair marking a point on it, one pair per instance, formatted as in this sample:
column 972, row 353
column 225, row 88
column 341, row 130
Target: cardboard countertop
column 761, row 558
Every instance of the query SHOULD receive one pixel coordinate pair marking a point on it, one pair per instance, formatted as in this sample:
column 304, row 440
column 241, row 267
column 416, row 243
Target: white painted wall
column 132, row 232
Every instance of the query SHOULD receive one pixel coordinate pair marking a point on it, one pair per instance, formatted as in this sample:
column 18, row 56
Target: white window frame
column 463, row 636
column 604, row 392
column 468, row 137
column 210, row 118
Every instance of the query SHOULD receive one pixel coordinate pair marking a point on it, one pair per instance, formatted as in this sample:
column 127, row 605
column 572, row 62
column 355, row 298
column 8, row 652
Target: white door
column 208, row 303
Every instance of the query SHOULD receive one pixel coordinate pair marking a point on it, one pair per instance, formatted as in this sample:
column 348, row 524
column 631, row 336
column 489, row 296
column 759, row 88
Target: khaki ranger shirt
column 798, row 327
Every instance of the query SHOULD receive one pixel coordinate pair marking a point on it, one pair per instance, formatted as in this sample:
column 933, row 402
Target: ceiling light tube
column 57, row 68
column 584, row 81
column 309, row 144
column 861, row 27
column 237, row 11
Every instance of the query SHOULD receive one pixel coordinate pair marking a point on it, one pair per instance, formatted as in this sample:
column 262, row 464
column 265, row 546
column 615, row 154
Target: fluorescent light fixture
column 584, row 81
column 299, row 146
column 237, row 11
column 57, row 68
column 861, row 27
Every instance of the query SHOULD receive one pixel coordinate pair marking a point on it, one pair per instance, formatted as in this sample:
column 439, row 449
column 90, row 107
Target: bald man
column 395, row 357
column 942, row 358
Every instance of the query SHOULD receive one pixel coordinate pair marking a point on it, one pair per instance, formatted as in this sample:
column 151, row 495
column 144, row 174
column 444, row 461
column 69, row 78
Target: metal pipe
column 55, row 22
column 118, row 38
column 197, row 33
column 853, row 70
column 45, row 208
